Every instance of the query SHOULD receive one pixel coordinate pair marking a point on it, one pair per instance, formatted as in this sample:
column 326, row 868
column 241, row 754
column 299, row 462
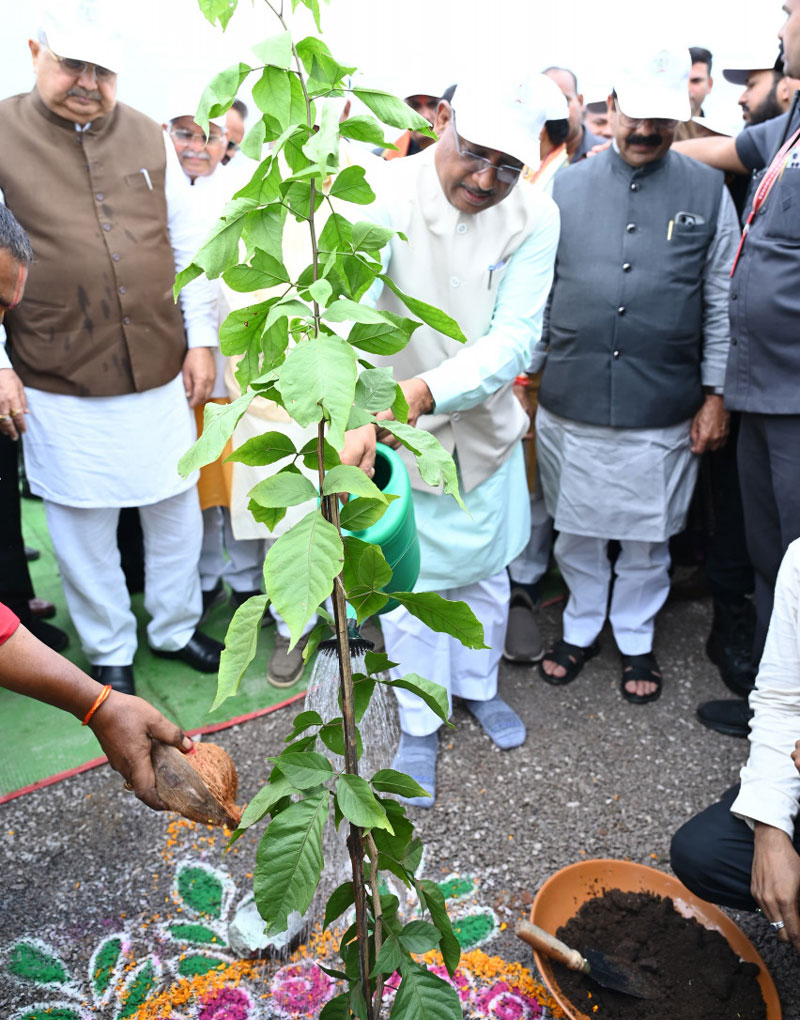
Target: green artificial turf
column 38, row 741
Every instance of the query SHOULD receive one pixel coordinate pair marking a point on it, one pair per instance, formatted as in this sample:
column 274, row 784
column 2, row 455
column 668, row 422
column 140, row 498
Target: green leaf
column 264, row 185
column 270, row 267
column 400, row 405
column 272, row 95
column 300, row 568
column 320, row 291
column 313, row 6
column 341, row 899
column 220, row 92
column 390, row 957
column 424, row 996
column 443, row 616
column 391, row 110
column 241, row 642
column 370, row 236
column 263, row 802
column 253, row 142
column 390, row 781
column 345, row 310
column 289, row 861
column 304, row 721
column 323, row 146
column 432, row 898
column 314, row 638
column 420, row 936
column 365, row 574
column 363, row 128
column 347, row 478
column 220, row 248
column 264, row 449
column 358, row 514
column 434, row 695
column 434, row 317
column 270, row 517
column 337, row 233
column 378, row 662
column 286, row 488
column 435, row 464
column 265, row 272
column 297, row 195
column 242, row 328
column 359, row 275
column 375, row 389
column 218, row 10
column 350, row 185
column 277, row 50
column 332, row 736
column 304, row 771
column 219, row 421
column 319, row 376
column 362, row 695
column 387, row 337
column 191, row 272
column 337, row 1008
column 263, row 228
column 32, row 963
column 358, row 803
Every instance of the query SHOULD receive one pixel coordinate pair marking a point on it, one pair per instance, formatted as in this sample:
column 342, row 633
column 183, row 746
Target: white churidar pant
column 532, row 563
column 463, row 672
column 641, row 587
column 244, row 567
column 85, row 544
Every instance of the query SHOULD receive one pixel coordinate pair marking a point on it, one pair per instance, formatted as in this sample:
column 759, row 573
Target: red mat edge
column 40, row 784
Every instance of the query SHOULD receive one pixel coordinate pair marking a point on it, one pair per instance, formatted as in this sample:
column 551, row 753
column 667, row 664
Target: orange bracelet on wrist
column 521, row 380
column 101, row 697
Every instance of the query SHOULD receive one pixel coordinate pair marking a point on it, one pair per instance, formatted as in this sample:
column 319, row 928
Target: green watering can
column 396, row 531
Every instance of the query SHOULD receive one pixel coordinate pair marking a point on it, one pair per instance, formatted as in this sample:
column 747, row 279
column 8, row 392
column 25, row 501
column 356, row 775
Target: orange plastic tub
column 565, row 892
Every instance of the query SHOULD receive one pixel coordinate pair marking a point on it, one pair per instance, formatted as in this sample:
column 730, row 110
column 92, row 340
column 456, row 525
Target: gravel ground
column 597, row 777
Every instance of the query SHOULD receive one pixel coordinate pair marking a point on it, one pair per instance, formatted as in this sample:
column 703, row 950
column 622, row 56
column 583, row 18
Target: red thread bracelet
column 101, row 697
column 521, row 380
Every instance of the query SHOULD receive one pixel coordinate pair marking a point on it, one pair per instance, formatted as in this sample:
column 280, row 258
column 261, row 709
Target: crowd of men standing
column 611, row 304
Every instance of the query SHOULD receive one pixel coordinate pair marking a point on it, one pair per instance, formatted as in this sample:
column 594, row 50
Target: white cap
column 506, row 116
column 553, row 99
column 712, row 125
column 760, row 54
column 82, row 29
column 655, row 85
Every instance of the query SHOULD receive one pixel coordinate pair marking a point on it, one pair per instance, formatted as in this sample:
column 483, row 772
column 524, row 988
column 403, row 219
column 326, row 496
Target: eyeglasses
column 506, row 173
column 75, row 68
column 659, row 123
column 204, row 141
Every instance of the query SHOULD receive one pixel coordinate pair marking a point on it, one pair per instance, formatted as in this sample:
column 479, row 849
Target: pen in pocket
column 669, row 229
column 497, row 265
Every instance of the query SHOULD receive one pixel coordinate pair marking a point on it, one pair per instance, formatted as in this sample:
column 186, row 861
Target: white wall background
column 169, row 43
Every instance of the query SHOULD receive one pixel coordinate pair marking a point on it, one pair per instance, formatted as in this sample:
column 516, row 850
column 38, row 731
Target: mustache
column 653, row 141
column 194, row 154
column 76, row 90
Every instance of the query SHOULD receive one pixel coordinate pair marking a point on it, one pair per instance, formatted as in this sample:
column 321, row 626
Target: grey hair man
column 109, row 363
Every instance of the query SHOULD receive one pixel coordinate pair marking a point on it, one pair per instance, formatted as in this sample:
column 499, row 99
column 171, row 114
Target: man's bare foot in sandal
column 563, row 661
column 641, row 678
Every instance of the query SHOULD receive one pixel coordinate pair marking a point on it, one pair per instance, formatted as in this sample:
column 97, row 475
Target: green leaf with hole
column 444, row 616
column 300, row 568
column 242, row 328
column 319, row 377
column 434, row 695
column 219, row 421
column 350, row 185
column 358, row 804
column 289, row 861
column 241, row 642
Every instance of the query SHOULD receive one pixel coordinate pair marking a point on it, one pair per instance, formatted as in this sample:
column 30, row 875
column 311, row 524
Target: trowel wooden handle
column 548, row 944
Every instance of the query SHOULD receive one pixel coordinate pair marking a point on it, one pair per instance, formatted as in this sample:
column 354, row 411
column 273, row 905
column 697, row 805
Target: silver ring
column 777, row 925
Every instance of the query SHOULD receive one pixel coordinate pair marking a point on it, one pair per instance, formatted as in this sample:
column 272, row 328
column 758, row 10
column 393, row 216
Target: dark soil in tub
column 698, row 975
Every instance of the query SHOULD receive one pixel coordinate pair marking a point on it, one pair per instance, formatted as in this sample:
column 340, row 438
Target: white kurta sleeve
column 770, row 784
column 475, row 372
column 186, row 232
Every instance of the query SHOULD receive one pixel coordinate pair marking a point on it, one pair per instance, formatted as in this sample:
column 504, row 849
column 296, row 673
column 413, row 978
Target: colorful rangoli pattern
column 182, row 968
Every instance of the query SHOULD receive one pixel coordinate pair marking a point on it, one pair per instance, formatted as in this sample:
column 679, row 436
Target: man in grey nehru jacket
column 635, row 360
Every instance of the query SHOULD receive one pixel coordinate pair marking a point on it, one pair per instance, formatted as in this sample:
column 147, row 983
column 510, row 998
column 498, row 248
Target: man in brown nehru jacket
column 110, row 364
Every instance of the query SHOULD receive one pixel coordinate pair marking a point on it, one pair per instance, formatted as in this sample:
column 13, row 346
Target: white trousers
column 532, row 563
column 641, row 586
column 85, row 545
column 463, row 672
column 244, row 567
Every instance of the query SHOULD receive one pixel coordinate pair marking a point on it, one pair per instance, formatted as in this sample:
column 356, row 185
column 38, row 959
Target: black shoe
column 201, row 653
column 238, row 598
column 730, row 645
column 212, row 598
column 729, row 717
column 120, row 677
column 31, row 554
column 49, row 635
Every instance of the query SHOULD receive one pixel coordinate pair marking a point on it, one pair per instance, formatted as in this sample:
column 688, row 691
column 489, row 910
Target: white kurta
column 124, row 450
column 600, row 482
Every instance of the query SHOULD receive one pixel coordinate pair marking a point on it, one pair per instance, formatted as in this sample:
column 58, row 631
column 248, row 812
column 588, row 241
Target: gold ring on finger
column 4, row 417
column 128, row 786
column 15, row 411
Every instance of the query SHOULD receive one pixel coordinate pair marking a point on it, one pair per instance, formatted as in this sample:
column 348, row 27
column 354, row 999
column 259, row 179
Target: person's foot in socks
column 416, row 756
column 499, row 721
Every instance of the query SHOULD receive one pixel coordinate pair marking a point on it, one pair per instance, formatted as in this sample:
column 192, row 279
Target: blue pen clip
column 497, row 265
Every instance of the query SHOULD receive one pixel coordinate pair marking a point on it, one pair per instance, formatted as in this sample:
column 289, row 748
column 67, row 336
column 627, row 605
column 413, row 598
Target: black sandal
column 640, row 667
column 572, row 658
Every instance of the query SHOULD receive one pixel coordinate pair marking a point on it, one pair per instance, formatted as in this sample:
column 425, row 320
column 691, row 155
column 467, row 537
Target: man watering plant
column 483, row 251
